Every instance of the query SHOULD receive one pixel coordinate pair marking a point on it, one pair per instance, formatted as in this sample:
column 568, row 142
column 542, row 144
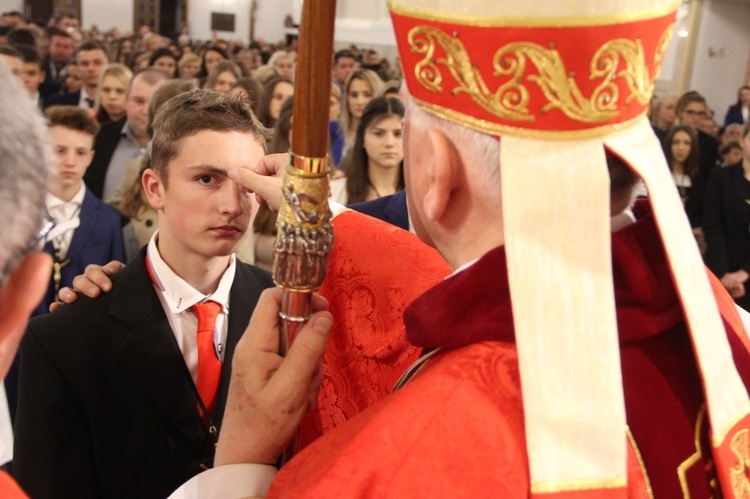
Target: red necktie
column 209, row 365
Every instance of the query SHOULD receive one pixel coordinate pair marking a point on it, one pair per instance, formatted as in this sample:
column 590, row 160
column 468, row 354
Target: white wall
column 107, row 14
column 199, row 13
column 10, row 5
column 723, row 30
column 269, row 19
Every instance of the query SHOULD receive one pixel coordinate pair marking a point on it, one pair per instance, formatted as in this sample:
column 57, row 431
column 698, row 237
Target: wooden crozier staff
column 305, row 234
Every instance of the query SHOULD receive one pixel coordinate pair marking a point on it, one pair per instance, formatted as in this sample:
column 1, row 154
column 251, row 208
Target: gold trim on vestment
column 532, row 22
column 688, row 463
column 511, row 101
column 638, row 456
column 491, row 128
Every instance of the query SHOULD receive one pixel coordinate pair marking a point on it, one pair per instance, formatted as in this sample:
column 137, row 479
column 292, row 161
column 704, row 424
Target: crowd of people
column 147, row 134
column 710, row 166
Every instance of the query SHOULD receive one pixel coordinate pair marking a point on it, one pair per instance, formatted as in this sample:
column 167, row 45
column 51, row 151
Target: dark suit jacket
column 69, row 99
column 50, row 86
column 105, row 144
column 726, row 220
column 107, row 407
column 97, row 240
column 391, row 209
column 708, row 148
column 734, row 115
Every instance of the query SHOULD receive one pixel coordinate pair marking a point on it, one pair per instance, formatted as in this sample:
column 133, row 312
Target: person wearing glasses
column 691, row 109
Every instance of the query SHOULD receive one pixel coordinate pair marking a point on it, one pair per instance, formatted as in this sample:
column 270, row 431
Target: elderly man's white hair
column 24, row 162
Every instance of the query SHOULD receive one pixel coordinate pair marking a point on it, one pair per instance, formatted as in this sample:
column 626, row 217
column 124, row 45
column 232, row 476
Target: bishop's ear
column 442, row 174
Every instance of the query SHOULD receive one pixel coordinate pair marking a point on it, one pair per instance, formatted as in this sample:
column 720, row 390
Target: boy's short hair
column 687, row 98
column 196, row 111
column 72, row 117
column 92, row 45
column 30, row 55
column 10, row 51
column 726, row 148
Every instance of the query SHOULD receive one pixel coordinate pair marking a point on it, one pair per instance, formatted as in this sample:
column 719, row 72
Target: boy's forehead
column 195, row 143
column 59, row 129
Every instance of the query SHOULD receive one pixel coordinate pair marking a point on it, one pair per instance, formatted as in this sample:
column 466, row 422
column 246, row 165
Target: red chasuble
column 457, row 428
column 376, row 270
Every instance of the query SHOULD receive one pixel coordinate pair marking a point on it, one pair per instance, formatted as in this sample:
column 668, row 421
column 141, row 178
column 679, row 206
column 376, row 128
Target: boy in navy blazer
column 86, row 229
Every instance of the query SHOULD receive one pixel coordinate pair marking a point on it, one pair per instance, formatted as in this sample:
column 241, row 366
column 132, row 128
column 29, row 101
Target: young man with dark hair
column 118, row 395
column 32, row 74
column 344, row 63
column 60, row 51
column 91, row 58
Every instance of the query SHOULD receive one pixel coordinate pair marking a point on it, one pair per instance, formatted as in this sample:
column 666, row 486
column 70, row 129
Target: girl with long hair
column 375, row 165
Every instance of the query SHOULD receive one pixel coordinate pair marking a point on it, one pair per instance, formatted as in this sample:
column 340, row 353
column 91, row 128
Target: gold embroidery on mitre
column 740, row 447
column 511, row 100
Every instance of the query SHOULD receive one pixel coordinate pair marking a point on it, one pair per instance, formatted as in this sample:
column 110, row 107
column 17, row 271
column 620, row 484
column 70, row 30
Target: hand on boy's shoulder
column 94, row 280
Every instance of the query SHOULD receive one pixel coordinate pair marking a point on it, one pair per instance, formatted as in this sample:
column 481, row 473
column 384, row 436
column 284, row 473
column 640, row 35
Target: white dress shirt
column 177, row 296
column 66, row 215
column 83, row 101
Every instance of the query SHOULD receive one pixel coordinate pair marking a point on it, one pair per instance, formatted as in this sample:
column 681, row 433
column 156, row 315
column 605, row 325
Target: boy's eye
column 205, row 179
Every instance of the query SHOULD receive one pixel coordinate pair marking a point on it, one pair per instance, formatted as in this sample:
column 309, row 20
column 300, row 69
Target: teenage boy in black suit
column 113, row 399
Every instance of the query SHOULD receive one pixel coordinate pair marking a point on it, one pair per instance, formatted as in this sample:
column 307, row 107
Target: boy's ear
column 154, row 188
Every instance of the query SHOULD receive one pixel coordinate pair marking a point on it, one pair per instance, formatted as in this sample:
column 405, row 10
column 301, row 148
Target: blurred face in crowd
column 91, row 63
column 281, row 93
column 732, row 157
column 190, row 69
column 225, row 81
column 693, row 114
column 74, row 80
column 126, row 46
column 113, row 97
column 166, row 64
column 334, row 108
column 211, row 59
column 73, row 154
column 383, row 142
column 665, row 116
column 136, row 110
column 360, row 94
column 284, row 67
column 343, row 68
column 61, row 49
column 32, row 76
column 681, row 144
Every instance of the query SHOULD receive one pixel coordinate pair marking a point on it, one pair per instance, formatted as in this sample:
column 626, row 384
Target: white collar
column 178, row 294
column 53, row 201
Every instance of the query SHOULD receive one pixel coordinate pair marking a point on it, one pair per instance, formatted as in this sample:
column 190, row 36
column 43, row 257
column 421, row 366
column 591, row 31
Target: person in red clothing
column 563, row 360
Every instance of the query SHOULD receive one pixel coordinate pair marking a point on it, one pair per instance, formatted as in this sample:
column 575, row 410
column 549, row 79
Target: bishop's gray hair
column 25, row 159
